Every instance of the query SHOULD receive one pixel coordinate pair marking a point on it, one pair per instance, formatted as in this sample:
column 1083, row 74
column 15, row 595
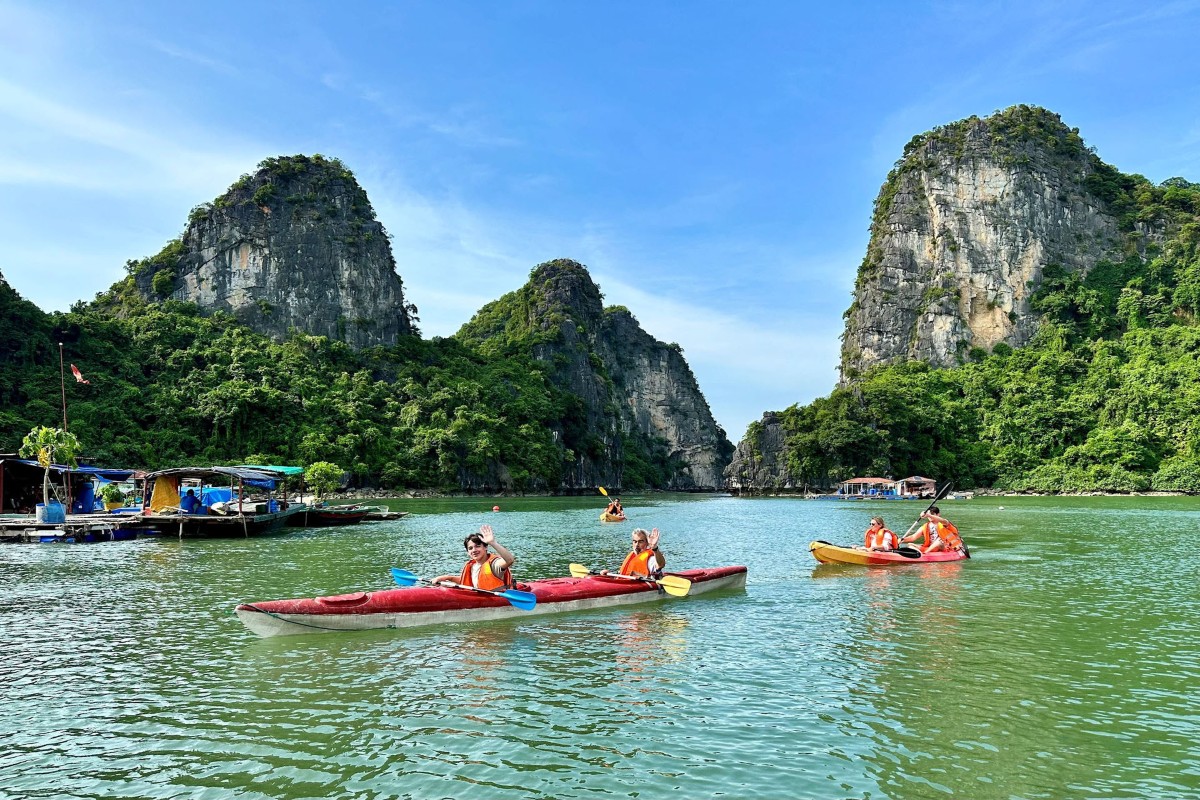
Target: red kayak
column 428, row 605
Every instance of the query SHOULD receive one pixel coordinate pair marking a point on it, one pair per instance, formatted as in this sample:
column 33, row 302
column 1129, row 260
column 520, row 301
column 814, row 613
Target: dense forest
column 170, row 386
column 1106, row 397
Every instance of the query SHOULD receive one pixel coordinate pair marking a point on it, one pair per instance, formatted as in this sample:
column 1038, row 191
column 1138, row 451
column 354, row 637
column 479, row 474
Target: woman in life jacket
column 645, row 559
column 484, row 570
column 879, row 537
column 939, row 533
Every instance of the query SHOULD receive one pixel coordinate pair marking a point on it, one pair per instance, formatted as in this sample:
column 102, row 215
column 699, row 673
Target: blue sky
column 713, row 164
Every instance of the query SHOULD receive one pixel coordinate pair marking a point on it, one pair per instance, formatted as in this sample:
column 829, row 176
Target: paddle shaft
column 523, row 600
column 671, row 584
column 944, row 491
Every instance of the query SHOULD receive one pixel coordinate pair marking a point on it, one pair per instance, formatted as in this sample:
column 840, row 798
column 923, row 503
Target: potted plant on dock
column 49, row 445
column 112, row 496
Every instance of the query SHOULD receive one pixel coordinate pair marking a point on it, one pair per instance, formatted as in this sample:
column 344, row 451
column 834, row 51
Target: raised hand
column 652, row 539
column 485, row 533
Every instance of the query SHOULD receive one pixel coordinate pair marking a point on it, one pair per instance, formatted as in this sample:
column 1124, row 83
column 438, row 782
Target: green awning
column 284, row 470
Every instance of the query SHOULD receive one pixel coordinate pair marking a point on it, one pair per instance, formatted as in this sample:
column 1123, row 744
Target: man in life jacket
column 879, row 537
column 939, row 533
column 614, row 508
column 484, row 570
column 645, row 559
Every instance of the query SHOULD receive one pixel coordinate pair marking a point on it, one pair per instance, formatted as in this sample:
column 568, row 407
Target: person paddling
column 938, row 532
column 484, row 570
column 645, row 559
column 878, row 537
column 614, row 508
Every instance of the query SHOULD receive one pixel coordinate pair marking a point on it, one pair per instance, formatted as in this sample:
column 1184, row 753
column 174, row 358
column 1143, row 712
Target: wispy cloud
column 174, row 51
column 162, row 156
column 463, row 123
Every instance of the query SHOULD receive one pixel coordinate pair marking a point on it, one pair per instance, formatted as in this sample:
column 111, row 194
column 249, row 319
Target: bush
column 1178, row 474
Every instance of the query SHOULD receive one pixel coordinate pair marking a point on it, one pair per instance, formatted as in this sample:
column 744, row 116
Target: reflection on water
column 1058, row 662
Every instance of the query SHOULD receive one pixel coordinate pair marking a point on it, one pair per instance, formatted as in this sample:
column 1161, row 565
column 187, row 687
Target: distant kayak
column 607, row 517
column 828, row 553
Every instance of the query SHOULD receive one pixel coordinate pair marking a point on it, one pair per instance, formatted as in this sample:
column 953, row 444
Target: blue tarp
column 109, row 474
column 215, row 494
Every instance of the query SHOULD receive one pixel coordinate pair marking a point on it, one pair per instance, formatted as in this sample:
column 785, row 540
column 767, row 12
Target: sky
column 713, row 164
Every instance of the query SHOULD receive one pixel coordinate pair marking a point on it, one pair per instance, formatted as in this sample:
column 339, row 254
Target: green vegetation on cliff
column 171, row 386
column 1105, row 398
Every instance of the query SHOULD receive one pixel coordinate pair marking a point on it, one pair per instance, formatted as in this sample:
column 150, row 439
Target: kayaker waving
column 645, row 550
column 484, row 570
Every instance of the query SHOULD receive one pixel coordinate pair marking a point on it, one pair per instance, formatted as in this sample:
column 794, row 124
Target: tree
column 49, row 445
column 323, row 477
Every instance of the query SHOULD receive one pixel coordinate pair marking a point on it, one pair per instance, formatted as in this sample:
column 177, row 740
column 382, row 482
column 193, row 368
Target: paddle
column 522, row 600
column 671, row 584
column 601, row 488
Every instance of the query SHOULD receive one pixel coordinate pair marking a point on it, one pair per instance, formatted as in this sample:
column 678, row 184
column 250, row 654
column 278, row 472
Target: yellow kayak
column 607, row 517
column 828, row 553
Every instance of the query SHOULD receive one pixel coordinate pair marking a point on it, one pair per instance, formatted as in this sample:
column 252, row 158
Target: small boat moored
column 429, row 605
column 828, row 553
column 328, row 517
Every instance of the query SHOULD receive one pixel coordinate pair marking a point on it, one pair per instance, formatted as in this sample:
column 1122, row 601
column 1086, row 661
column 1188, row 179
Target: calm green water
column 1060, row 662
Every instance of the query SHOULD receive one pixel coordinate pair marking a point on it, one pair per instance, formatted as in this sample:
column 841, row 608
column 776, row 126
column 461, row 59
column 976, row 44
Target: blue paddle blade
column 522, row 600
column 403, row 577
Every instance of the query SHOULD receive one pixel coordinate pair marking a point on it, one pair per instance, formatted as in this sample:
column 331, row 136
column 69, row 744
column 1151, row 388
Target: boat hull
column 233, row 525
column 431, row 605
column 327, row 518
column 607, row 517
column 828, row 553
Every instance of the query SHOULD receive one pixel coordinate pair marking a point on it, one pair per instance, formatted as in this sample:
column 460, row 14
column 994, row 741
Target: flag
column 78, row 375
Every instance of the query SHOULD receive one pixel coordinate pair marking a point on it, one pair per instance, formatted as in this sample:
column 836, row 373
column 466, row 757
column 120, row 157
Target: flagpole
column 62, row 380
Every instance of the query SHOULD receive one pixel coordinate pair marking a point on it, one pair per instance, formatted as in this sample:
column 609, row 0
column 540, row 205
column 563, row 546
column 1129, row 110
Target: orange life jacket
column 638, row 563
column 882, row 538
column 949, row 535
column 924, row 531
column 489, row 578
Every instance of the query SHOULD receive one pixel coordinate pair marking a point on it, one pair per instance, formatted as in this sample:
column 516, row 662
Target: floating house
column 866, row 488
column 229, row 501
column 911, row 488
column 21, row 484
column 917, row 487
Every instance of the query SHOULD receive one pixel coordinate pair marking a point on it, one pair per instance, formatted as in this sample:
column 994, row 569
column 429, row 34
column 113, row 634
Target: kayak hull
column 607, row 517
column 828, row 553
column 431, row 605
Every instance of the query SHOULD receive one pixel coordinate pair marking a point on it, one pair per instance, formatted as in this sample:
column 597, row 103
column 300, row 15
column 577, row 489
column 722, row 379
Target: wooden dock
column 20, row 529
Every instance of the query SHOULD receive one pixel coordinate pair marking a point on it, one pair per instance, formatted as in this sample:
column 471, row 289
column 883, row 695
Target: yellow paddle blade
column 675, row 585
column 579, row 571
column 601, row 488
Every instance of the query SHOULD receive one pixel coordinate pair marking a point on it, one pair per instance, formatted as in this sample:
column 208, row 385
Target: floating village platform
column 24, row 528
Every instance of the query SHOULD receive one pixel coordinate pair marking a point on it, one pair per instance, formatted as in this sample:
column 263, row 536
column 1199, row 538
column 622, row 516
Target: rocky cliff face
column 634, row 405
column 963, row 227
column 760, row 461
column 296, row 245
